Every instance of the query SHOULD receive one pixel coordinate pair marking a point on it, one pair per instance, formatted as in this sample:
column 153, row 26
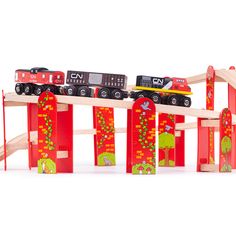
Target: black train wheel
column 173, row 100
column 83, row 91
column 28, row 89
column 38, row 89
column 186, row 102
column 104, row 93
column 117, row 94
column 70, row 90
column 51, row 88
column 156, row 98
column 141, row 94
column 19, row 88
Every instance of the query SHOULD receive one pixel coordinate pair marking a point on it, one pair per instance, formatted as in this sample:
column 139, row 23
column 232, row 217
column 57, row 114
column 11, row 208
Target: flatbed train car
column 170, row 91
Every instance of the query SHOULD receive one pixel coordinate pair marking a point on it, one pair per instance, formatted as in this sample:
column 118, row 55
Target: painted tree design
column 105, row 127
column 226, row 146
column 143, row 136
column 166, row 142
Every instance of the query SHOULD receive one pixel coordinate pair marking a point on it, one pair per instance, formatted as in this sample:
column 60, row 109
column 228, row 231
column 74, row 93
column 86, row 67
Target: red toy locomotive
column 170, row 91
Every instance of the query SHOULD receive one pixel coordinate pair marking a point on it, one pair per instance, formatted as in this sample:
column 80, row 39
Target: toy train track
column 170, row 91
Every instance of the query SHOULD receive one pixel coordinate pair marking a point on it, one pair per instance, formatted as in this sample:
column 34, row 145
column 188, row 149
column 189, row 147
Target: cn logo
column 76, row 76
column 158, row 81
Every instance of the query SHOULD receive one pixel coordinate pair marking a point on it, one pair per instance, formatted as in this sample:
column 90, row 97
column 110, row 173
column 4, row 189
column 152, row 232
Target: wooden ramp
column 17, row 143
column 223, row 75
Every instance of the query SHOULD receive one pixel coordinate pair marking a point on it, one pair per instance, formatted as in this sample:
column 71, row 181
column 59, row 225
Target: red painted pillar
column 47, row 133
column 232, row 108
column 32, row 113
column 210, row 95
column 180, row 144
column 65, row 140
column 129, row 142
column 166, row 136
column 55, row 136
column 143, row 137
column 104, row 139
column 203, row 145
column 225, row 141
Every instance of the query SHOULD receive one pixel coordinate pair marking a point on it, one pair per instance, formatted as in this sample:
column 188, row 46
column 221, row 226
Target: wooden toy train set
column 50, row 104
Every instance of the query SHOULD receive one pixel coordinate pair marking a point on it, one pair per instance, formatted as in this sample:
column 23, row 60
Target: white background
column 162, row 38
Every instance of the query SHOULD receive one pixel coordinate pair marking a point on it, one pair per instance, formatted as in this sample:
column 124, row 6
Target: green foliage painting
column 143, row 169
column 166, row 142
column 46, row 166
column 226, row 146
column 106, row 159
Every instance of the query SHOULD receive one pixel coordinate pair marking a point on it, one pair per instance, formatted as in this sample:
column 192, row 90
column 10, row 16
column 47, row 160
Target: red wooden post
column 166, row 136
column 47, row 133
column 104, row 140
column 143, row 137
column 95, row 137
column 4, row 131
column 225, row 141
column 180, row 144
column 210, row 93
column 129, row 142
column 64, row 163
column 32, row 121
column 55, row 136
column 203, row 145
column 232, row 108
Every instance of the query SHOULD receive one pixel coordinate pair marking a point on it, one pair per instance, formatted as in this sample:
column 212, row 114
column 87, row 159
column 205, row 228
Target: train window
column 180, row 80
column 50, row 78
column 95, row 79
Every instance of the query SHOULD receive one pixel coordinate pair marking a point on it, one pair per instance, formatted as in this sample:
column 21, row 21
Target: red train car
column 37, row 80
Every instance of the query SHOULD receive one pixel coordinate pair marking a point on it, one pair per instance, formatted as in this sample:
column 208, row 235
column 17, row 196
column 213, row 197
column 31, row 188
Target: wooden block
column 209, row 168
column 62, row 107
column 62, row 154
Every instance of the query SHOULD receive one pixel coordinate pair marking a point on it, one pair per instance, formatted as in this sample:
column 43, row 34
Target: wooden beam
column 126, row 104
column 14, row 104
column 62, row 107
column 183, row 126
column 210, row 123
column 62, row 154
column 209, row 168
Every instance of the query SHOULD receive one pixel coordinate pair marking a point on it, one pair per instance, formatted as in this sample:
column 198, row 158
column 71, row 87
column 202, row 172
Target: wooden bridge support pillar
column 104, row 139
column 203, row 145
column 143, row 137
column 210, row 100
column 129, row 142
column 232, row 108
column 225, row 163
column 32, row 121
column 55, row 135
column 180, row 143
